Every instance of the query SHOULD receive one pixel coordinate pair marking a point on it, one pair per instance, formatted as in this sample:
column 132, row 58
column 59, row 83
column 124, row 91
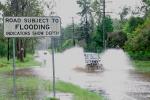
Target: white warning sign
column 32, row 26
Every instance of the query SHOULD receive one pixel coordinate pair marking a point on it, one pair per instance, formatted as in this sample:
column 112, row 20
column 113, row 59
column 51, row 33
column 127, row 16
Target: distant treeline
column 129, row 33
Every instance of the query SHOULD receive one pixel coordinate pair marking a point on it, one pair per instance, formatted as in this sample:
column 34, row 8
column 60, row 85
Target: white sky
column 67, row 9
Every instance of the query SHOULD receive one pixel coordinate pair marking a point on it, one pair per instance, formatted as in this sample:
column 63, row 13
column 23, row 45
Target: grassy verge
column 29, row 87
column 79, row 93
column 29, row 62
column 142, row 66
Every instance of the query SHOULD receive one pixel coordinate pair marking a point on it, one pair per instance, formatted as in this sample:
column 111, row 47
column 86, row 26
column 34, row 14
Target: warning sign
column 32, row 26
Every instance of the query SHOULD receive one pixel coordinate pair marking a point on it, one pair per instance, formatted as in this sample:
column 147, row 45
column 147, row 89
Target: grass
column 79, row 93
column 29, row 62
column 142, row 66
column 29, row 87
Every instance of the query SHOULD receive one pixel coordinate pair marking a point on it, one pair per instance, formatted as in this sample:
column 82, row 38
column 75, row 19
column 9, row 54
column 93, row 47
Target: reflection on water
column 119, row 81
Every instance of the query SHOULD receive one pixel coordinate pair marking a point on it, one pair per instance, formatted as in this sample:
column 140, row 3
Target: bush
column 139, row 39
column 51, row 99
column 54, row 99
column 3, row 49
column 139, row 55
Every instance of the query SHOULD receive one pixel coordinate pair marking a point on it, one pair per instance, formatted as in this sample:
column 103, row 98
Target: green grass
column 79, row 93
column 142, row 66
column 29, row 87
column 29, row 62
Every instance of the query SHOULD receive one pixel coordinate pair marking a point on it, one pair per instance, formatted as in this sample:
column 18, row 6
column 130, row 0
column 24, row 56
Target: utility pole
column 73, row 31
column 86, row 30
column 103, row 21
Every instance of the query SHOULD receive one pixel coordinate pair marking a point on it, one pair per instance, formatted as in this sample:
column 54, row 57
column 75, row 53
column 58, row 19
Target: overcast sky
column 67, row 9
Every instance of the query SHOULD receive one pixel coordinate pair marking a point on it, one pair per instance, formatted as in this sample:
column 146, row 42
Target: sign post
column 14, row 69
column 32, row 27
column 53, row 64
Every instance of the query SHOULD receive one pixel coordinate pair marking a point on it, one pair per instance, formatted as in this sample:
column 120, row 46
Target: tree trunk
column 17, row 48
column 8, row 55
column 21, row 51
column 24, row 48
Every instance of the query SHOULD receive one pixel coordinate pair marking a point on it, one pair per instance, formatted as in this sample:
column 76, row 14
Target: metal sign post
column 14, row 69
column 49, row 26
column 53, row 64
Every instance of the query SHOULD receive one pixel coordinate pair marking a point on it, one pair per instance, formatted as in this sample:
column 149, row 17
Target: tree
column 124, row 13
column 116, row 39
column 139, row 40
column 87, row 21
column 96, row 8
column 22, row 8
column 133, row 23
column 1, row 6
column 3, row 42
column 68, row 37
column 49, row 5
column 97, row 38
column 145, row 8
column 86, row 11
column 117, row 25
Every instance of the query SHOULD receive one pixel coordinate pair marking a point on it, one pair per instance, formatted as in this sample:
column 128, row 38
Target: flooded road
column 118, row 81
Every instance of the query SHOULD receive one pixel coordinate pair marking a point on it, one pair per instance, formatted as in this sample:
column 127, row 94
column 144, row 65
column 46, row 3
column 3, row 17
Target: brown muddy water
column 118, row 81
column 27, row 72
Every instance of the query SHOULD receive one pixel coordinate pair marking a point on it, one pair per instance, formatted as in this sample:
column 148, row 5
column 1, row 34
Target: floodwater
column 118, row 81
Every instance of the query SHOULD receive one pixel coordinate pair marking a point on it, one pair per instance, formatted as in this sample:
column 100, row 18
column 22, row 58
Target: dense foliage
column 18, row 8
column 138, row 44
column 130, row 33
